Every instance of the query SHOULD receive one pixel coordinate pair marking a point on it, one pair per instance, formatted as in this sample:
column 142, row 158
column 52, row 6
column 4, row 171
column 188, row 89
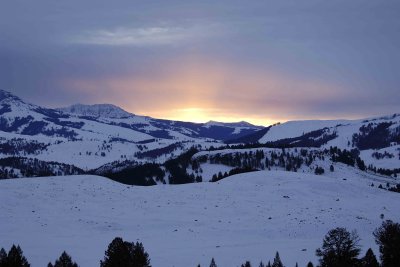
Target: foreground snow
column 243, row 217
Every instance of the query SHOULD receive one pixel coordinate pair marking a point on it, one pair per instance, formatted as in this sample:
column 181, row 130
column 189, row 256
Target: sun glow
column 200, row 90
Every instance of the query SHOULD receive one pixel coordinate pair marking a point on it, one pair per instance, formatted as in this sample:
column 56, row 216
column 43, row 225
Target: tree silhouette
column 125, row 254
column 339, row 249
column 387, row 236
column 15, row 258
column 277, row 261
column 369, row 259
column 212, row 264
column 64, row 261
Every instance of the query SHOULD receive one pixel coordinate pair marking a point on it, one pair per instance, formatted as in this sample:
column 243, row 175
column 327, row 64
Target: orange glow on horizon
column 201, row 115
column 201, row 89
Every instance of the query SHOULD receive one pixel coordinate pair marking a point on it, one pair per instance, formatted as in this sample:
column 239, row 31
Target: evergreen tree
column 3, row 258
column 139, row 256
column 125, row 254
column 310, row 264
column 269, row 264
column 339, row 249
column 297, row 265
column 246, row 264
column 15, row 258
column 117, row 254
column 369, row 259
column 63, row 261
column 261, row 264
column 387, row 236
column 331, row 168
column 212, row 264
column 277, row 261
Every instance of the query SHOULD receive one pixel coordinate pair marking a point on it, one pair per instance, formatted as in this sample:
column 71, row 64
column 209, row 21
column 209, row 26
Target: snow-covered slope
column 97, row 110
column 243, row 217
column 292, row 129
column 378, row 139
column 91, row 136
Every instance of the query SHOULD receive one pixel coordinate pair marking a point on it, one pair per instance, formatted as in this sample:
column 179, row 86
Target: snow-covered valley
column 243, row 217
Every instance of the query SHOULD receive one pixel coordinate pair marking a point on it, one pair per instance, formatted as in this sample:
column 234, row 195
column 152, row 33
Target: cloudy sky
column 261, row 61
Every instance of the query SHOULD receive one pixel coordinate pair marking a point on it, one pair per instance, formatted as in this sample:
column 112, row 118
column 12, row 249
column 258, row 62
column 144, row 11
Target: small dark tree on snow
column 331, row 168
column 246, row 264
column 261, row 264
column 319, row 170
column 15, row 258
column 64, row 261
column 339, row 249
column 310, row 264
column 369, row 259
column 387, row 236
column 125, row 254
column 212, row 264
column 277, row 261
column 269, row 264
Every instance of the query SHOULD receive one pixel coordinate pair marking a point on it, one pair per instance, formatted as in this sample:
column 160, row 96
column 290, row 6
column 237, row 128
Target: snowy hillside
column 91, row 136
column 97, row 110
column 378, row 139
column 243, row 217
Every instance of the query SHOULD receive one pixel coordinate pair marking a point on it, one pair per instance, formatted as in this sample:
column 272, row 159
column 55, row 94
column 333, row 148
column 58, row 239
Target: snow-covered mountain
column 108, row 139
column 90, row 136
column 97, row 110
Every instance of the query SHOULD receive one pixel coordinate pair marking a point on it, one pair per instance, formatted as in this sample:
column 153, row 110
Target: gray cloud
column 351, row 47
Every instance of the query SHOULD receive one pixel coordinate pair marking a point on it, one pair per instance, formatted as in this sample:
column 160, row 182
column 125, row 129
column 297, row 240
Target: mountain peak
column 97, row 110
column 229, row 124
column 8, row 95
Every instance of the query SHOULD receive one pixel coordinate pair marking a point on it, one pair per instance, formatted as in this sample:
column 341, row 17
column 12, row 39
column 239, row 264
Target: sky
column 227, row 60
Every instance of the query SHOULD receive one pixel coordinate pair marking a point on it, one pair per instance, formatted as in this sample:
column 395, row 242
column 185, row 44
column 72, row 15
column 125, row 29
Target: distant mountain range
column 84, row 137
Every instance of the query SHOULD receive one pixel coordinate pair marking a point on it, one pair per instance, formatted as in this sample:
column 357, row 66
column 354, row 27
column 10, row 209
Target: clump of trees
column 220, row 176
column 14, row 258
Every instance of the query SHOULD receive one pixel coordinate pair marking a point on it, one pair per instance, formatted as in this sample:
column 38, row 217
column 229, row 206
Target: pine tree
column 15, row 258
column 310, row 264
column 277, row 261
column 297, row 265
column 139, row 256
column 246, row 264
column 125, row 254
column 369, row 259
column 332, row 168
column 261, row 264
column 117, row 254
column 339, row 249
column 212, row 264
column 269, row 264
column 3, row 258
column 63, row 261
column 388, row 238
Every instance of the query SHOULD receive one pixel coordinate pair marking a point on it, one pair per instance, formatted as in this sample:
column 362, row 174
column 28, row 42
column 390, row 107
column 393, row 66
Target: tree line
column 340, row 248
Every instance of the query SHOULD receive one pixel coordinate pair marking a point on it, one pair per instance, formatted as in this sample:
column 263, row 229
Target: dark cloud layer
column 257, row 60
